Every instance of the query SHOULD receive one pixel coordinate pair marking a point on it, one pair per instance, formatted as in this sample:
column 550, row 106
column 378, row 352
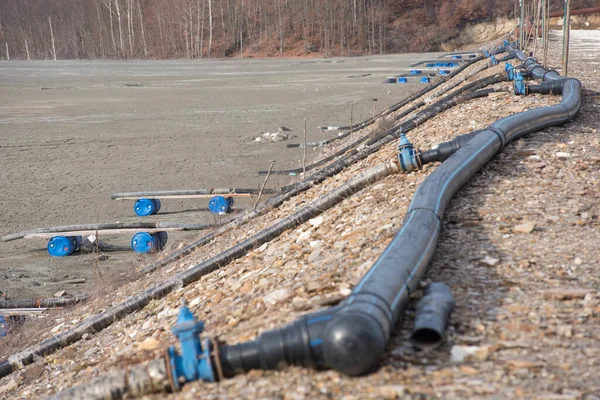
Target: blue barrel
column 145, row 207
column 3, row 326
column 430, row 65
column 415, row 71
column 425, row 79
column 444, row 72
column 402, row 80
column 62, row 246
column 220, row 205
column 143, row 242
column 456, row 57
column 472, row 55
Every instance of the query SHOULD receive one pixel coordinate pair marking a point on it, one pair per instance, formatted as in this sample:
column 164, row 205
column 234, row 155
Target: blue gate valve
column 486, row 54
column 409, row 159
column 510, row 71
column 493, row 60
column 194, row 363
column 520, row 85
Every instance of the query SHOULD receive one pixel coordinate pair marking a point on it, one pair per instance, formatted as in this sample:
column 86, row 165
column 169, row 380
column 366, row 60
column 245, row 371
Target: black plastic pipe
column 432, row 315
column 352, row 336
column 42, row 303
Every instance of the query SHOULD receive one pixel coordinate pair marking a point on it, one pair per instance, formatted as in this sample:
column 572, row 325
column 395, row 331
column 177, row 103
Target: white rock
column 316, row 221
column 57, row 328
column 560, row 154
column 459, row 354
column 167, row 312
column 195, row 302
column 316, row 243
column 303, row 236
column 490, row 261
column 277, row 296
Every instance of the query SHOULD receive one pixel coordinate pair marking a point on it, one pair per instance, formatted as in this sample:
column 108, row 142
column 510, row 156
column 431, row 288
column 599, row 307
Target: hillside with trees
column 160, row 29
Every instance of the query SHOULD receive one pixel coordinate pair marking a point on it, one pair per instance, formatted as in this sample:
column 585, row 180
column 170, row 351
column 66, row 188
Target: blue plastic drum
column 220, row 205
column 146, row 207
column 444, row 72
column 62, row 246
column 415, row 71
column 425, row 79
column 402, row 80
column 456, row 57
column 143, row 242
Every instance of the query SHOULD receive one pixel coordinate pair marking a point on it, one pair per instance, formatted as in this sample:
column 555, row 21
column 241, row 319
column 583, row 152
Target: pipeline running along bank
column 351, row 337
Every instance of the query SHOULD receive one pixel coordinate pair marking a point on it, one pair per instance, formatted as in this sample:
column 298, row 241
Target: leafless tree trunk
column 7, row 53
column 142, row 27
column 210, row 26
column 118, row 10
column 27, row 49
column 129, row 7
column 52, row 39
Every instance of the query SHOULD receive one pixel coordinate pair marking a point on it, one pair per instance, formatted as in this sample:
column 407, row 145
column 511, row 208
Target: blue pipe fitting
column 425, row 79
column 520, row 85
column 146, row 207
column 144, row 242
column 493, row 60
column 220, row 205
column 3, row 326
column 409, row 159
column 402, row 80
column 194, row 362
column 510, row 71
column 62, row 246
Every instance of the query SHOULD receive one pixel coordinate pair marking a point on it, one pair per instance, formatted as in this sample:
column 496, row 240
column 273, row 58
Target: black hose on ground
column 352, row 336
column 432, row 315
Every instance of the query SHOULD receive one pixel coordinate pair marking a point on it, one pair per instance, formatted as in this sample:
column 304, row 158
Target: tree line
column 162, row 29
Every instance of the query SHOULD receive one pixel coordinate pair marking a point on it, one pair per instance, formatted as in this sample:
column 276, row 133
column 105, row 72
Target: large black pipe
column 352, row 336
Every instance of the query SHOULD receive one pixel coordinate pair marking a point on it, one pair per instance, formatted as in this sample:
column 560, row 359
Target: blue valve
column 510, row 71
column 407, row 156
column 194, row 363
column 486, row 54
column 493, row 60
column 520, row 85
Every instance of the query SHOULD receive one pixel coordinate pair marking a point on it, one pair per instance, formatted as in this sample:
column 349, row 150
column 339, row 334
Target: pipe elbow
column 353, row 344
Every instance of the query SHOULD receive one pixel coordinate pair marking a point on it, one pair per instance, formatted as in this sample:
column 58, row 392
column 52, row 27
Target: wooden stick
column 264, row 183
column 104, row 232
column 187, row 196
column 107, row 228
column 172, row 194
column 22, row 311
column 304, row 155
column 566, row 37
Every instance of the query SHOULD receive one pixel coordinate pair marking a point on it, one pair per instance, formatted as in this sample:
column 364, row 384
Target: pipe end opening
column 426, row 338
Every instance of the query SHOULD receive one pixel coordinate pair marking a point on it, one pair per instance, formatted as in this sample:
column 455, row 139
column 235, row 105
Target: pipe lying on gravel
column 432, row 315
column 160, row 290
column 140, row 300
column 351, row 337
column 42, row 303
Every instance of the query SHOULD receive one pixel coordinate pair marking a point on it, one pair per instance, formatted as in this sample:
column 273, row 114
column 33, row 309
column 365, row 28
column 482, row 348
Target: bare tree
column 52, row 39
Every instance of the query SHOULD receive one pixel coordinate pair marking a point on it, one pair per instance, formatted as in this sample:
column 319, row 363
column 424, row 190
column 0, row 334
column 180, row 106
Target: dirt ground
column 518, row 249
column 73, row 132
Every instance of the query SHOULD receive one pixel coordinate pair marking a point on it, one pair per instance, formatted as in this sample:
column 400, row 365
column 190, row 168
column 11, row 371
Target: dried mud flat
column 73, row 132
column 518, row 249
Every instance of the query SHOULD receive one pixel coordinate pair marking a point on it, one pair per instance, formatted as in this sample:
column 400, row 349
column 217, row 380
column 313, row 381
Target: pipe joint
column 194, row 361
column 520, row 86
column 410, row 160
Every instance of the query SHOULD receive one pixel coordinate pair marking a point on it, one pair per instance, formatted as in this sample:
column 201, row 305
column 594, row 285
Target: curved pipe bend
column 352, row 336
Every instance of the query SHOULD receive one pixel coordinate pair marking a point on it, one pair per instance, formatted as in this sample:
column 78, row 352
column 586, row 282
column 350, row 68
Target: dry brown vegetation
column 75, row 29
